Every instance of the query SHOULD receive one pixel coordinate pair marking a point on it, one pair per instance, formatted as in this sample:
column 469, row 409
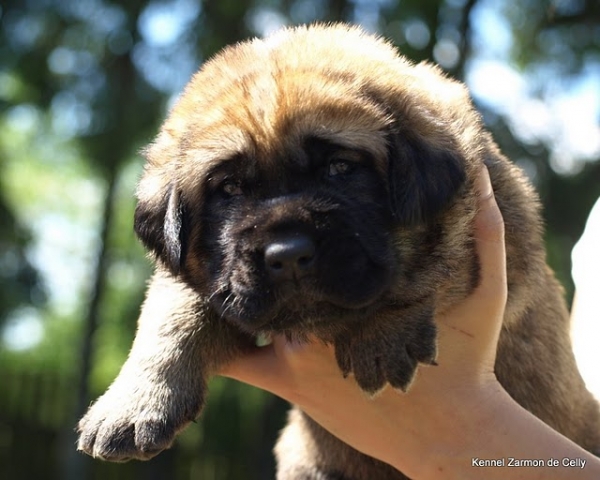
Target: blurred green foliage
column 83, row 85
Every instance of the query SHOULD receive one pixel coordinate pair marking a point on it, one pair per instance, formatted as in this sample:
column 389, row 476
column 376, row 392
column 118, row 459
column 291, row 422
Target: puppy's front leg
column 162, row 385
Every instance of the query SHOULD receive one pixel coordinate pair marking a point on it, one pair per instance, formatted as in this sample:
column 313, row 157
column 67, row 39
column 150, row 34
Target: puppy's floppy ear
column 160, row 225
column 423, row 178
column 160, row 217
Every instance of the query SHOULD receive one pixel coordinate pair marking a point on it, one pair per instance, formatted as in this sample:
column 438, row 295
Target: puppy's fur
column 316, row 182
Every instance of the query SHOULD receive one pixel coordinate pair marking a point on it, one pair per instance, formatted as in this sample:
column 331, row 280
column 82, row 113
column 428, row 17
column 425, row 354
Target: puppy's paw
column 387, row 353
column 136, row 421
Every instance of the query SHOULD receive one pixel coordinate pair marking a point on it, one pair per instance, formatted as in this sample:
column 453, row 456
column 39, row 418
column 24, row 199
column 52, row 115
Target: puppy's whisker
column 218, row 291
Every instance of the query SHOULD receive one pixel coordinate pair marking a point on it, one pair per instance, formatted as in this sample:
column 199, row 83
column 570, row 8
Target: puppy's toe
column 87, row 436
column 368, row 373
column 400, row 368
column 115, row 442
column 422, row 344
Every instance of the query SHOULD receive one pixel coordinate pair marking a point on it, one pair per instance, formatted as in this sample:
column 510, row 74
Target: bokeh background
column 84, row 85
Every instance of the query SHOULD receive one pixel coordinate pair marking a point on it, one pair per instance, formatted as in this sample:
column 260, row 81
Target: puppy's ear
column 160, row 226
column 160, row 217
column 423, row 178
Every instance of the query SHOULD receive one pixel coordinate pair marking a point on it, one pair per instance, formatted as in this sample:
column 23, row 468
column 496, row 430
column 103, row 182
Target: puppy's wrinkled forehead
column 267, row 114
column 261, row 99
column 264, row 97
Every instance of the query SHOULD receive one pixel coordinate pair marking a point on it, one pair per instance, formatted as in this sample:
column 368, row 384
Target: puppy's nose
column 290, row 257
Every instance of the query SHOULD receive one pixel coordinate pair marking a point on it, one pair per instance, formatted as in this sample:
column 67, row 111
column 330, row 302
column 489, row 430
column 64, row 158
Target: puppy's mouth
column 297, row 304
column 301, row 311
column 299, row 280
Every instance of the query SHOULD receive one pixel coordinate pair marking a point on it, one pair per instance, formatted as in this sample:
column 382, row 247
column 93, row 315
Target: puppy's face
column 305, row 232
column 293, row 192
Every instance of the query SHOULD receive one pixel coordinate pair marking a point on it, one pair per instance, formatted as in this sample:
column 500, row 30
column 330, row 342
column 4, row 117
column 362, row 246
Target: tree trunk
column 76, row 466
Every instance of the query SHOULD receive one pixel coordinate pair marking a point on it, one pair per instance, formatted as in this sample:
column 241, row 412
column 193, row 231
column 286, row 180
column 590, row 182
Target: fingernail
column 484, row 184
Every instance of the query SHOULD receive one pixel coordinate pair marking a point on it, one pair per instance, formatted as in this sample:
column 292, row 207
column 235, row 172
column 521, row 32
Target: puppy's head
column 307, row 177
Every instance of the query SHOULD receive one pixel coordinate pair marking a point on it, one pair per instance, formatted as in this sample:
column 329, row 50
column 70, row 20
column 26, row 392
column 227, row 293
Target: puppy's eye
column 232, row 188
column 338, row 167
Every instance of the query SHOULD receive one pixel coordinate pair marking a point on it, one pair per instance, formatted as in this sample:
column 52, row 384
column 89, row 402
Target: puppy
column 316, row 182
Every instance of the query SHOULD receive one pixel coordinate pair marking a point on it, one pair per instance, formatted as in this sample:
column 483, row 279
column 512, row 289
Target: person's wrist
column 458, row 427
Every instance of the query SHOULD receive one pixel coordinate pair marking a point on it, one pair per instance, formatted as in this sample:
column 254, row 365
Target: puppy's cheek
column 204, row 268
column 246, row 312
column 355, row 288
column 353, row 278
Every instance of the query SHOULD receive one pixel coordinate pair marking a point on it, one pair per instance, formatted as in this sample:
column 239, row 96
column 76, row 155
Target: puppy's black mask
column 293, row 242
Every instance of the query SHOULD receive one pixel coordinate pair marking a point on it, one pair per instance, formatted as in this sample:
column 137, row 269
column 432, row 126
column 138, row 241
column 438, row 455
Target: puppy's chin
column 295, row 306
